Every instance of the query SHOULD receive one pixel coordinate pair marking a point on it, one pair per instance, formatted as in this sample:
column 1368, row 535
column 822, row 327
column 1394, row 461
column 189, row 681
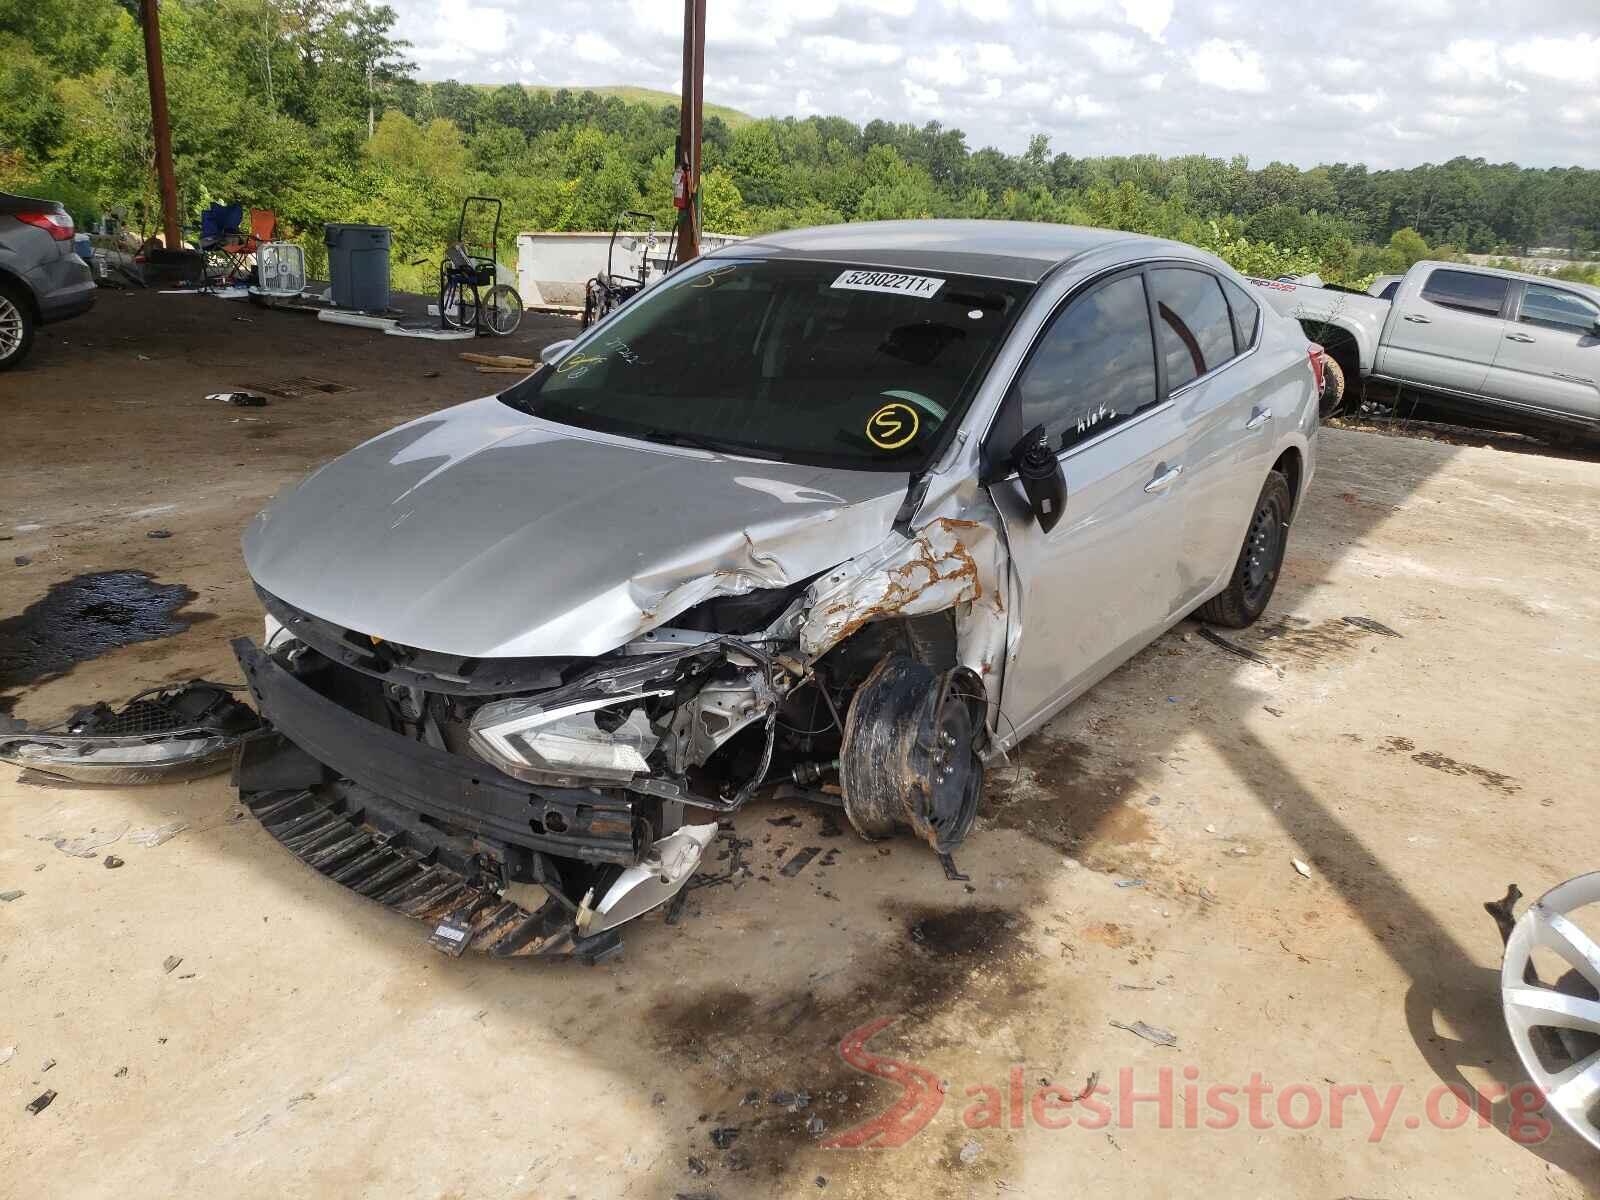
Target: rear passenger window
column 1466, row 291
column 1246, row 315
column 1094, row 367
column 1555, row 308
column 1194, row 330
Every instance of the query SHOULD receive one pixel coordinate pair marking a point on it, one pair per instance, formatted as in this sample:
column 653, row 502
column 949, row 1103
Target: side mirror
column 554, row 351
column 1042, row 477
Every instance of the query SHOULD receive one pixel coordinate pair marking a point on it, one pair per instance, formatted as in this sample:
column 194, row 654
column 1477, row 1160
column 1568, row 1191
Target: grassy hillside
column 732, row 117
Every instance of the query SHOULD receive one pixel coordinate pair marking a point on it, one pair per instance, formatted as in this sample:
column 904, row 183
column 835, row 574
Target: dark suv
column 42, row 279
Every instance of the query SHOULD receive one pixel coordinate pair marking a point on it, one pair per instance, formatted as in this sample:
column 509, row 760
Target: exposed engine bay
column 531, row 806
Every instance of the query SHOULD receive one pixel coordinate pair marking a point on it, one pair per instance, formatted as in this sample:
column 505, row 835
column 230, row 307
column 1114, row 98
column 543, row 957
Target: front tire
column 16, row 327
column 1255, row 575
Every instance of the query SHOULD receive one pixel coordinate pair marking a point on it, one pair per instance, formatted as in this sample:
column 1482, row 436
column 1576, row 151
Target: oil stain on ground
column 768, row 1068
column 1053, row 794
column 83, row 618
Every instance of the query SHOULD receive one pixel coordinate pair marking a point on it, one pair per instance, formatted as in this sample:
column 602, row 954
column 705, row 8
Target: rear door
column 1446, row 333
column 1100, row 584
column 1227, row 421
column 1549, row 355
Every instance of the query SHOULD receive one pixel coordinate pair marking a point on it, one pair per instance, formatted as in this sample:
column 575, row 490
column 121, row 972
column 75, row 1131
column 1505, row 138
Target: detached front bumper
column 450, row 788
column 433, row 835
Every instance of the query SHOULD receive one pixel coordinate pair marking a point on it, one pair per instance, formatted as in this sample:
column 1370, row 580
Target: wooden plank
column 499, row 360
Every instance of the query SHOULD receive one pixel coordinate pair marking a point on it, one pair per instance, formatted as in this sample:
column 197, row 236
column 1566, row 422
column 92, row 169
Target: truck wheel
column 1332, row 398
column 16, row 327
column 1255, row 575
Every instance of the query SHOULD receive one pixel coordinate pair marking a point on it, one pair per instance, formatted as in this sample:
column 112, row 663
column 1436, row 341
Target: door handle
column 1164, row 480
column 1518, row 337
column 1416, row 320
column 1262, row 416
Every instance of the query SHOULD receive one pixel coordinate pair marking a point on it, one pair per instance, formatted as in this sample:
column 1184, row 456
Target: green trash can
column 358, row 265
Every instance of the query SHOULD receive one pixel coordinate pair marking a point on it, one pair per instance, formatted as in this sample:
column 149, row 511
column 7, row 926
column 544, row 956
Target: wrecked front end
column 531, row 806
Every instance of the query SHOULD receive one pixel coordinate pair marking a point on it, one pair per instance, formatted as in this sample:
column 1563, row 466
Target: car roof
column 1020, row 250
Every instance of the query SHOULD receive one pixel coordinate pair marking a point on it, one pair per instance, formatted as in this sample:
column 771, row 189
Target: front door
column 1446, row 334
column 1098, row 586
column 1550, row 353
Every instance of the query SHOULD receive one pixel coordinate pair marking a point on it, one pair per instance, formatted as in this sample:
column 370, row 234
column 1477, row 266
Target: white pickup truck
column 1518, row 352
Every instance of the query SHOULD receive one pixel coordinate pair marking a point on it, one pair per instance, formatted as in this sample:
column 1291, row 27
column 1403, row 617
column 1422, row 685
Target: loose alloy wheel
column 1555, row 1025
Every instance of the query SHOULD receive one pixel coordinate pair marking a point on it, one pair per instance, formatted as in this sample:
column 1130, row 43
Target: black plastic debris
column 113, row 862
column 724, row 1136
column 22, row 560
column 240, row 399
column 798, row 863
column 1216, row 639
column 1371, row 626
column 1150, row 1033
column 159, row 534
column 171, row 964
column 41, row 1102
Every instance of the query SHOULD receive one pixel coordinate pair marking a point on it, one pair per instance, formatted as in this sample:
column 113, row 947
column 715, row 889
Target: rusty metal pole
column 689, row 125
column 158, row 124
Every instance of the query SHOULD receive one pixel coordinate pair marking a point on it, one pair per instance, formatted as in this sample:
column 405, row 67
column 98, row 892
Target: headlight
column 572, row 743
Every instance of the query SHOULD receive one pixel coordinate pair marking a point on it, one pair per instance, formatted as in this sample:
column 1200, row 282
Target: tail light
column 57, row 224
column 1314, row 353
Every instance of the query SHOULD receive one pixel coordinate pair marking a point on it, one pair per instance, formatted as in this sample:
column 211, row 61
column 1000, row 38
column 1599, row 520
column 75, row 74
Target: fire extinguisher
column 680, row 188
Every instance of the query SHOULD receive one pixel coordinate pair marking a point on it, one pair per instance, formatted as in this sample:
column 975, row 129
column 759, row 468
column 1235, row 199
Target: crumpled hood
column 484, row 532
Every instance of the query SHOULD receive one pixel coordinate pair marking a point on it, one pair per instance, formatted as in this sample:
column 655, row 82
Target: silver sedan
column 833, row 515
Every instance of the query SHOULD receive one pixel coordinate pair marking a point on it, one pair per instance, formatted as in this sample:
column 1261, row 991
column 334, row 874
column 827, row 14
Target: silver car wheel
column 10, row 327
column 1563, row 1057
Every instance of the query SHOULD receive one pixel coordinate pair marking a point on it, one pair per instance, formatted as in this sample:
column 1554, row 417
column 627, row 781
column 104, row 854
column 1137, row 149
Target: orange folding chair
column 263, row 227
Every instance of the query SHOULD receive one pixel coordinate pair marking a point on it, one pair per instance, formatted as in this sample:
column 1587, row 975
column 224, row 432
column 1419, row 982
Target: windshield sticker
column 576, row 366
column 894, row 425
column 922, row 287
column 709, row 279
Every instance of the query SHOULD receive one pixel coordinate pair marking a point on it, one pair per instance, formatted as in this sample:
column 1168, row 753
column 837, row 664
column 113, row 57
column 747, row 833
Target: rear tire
column 16, row 326
column 1333, row 385
column 1255, row 575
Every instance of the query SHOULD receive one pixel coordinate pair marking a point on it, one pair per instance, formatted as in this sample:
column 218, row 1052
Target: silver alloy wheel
column 10, row 327
column 1566, row 1012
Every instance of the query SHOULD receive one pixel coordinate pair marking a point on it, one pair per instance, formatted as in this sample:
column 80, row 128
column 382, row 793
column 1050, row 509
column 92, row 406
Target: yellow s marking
column 893, row 426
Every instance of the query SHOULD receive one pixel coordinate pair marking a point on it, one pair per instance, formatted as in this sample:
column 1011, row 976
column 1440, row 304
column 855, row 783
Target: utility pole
column 689, row 125
column 159, row 125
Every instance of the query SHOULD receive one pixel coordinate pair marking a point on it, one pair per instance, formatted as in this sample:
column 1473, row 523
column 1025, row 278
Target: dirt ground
column 1133, row 864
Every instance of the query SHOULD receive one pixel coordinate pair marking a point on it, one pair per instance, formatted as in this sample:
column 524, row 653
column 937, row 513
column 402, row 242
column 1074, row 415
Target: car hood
column 484, row 532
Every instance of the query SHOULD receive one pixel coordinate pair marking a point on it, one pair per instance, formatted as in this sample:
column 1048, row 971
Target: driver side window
column 1094, row 366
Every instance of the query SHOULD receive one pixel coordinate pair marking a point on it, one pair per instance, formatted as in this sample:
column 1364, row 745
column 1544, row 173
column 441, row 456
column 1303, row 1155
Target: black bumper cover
column 462, row 792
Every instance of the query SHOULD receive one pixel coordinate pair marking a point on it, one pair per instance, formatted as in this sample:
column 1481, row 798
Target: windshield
column 821, row 363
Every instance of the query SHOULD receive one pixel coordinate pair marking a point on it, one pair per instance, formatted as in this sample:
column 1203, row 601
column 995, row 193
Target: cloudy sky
column 1386, row 82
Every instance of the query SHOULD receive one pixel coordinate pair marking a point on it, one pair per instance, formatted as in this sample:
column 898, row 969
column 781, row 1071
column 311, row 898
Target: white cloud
column 919, row 96
column 1231, row 66
column 985, row 12
column 1080, row 107
column 1466, row 60
column 592, row 48
column 944, row 66
column 847, row 52
column 996, row 58
column 1150, row 16
column 1112, row 52
column 1574, row 60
